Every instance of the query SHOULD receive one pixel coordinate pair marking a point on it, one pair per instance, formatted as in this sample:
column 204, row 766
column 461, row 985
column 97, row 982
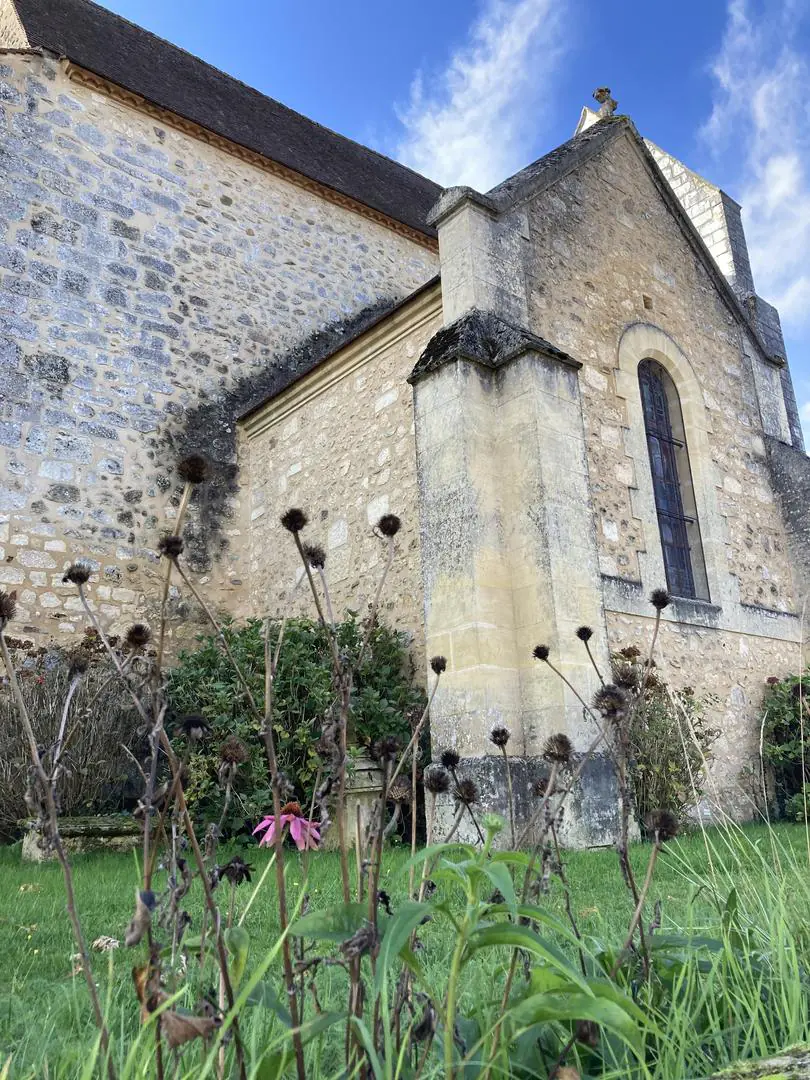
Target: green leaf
column 397, row 932
column 521, row 937
column 237, row 942
column 502, row 880
column 428, row 853
column 318, row 1024
column 663, row 942
column 544, row 1008
column 411, row 963
column 273, row 1064
column 265, row 995
column 331, row 924
column 538, row 915
column 368, row 1044
column 542, row 979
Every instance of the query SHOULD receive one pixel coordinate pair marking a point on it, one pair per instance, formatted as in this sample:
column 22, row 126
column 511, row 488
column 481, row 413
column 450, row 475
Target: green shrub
column 385, row 701
column 795, row 805
column 669, row 740
column 782, row 737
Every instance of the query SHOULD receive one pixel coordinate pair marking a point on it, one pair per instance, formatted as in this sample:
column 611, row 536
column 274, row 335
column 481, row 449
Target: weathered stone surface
column 151, row 276
column 790, row 1064
column 83, row 834
column 340, row 445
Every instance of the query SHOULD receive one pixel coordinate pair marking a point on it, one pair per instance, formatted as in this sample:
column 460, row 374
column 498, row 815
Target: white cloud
column 760, row 127
column 475, row 123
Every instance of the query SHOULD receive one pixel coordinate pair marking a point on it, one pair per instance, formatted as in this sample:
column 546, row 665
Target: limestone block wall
column 606, row 253
column 152, row 286
column 731, row 666
column 612, row 280
column 716, row 217
column 340, row 444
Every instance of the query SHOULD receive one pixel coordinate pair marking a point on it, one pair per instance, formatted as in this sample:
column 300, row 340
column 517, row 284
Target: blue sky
column 469, row 91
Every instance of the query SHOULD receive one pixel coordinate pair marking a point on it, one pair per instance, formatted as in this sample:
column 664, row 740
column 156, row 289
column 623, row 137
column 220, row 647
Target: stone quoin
column 186, row 265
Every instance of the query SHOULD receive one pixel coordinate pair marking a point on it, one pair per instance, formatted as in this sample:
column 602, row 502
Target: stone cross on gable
column 607, row 104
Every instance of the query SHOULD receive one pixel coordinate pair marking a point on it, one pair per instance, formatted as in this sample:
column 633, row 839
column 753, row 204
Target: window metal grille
column 673, row 523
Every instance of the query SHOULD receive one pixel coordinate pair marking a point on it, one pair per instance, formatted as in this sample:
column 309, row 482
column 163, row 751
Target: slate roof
column 104, row 43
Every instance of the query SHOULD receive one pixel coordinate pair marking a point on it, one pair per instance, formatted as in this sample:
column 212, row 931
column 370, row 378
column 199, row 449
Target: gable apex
column 590, row 141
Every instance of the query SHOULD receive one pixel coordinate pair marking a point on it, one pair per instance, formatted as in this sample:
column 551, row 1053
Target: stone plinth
column 81, row 835
column 363, row 787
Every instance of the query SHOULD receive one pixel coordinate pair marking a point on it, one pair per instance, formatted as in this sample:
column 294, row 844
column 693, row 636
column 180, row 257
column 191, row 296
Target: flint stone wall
column 151, row 288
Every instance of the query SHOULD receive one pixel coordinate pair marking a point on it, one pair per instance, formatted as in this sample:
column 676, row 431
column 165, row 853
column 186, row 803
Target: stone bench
column 110, row 832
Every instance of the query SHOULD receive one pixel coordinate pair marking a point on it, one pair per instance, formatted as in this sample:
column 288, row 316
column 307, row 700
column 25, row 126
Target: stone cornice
column 425, row 306
column 134, row 101
column 483, row 338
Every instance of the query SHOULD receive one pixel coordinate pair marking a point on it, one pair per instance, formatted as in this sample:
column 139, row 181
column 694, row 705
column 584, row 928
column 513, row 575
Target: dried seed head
column 400, row 790
column 8, row 607
column 438, row 664
column 194, row 468
column 79, row 663
column 171, row 546
column 389, row 525
column 499, row 736
column 660, row 598
column 233, row 751
column 541, row 652
column 558, row 749
column 294, row 519
column 236, row 871
column 466, row 791
column 77, row 573
column 584, row 633
column 625, row 676
column 315, row 556
column 587, row 1032
column 361, row 942
column 540, row 787
column 138, row 635
column 663, row 824
column 450, row 759
column 386, row 748
column 611, row 701
column 194, row 726
column 437, row 779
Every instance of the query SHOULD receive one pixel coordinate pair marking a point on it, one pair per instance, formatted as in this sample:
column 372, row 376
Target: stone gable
column 605, row 252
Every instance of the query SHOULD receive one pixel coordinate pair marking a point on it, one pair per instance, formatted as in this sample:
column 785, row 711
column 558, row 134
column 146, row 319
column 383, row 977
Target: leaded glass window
column 672, row 483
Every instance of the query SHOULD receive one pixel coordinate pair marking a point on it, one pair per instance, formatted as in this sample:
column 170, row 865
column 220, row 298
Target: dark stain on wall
column 210, row 426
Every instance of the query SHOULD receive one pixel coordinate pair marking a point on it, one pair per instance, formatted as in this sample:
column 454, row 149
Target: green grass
column 45, row 1021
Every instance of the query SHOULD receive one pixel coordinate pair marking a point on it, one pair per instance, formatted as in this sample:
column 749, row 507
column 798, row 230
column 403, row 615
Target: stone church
column 567, row 386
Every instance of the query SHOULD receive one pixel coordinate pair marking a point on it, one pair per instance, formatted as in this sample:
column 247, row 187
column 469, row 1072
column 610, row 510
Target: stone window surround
column 641, row 341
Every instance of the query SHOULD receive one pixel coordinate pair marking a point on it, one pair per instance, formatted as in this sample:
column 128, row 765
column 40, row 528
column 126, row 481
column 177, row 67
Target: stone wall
column 716, row 217
column 605, row 253
column 614, row 279
column 340, row 444
column 731, row 666
column 589, row 251
column 151, row 288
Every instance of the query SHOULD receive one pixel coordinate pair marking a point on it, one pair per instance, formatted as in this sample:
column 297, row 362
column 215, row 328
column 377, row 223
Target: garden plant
column 343, row 988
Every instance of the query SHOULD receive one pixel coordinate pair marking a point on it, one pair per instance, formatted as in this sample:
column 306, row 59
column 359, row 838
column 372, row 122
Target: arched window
column 672, row 483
